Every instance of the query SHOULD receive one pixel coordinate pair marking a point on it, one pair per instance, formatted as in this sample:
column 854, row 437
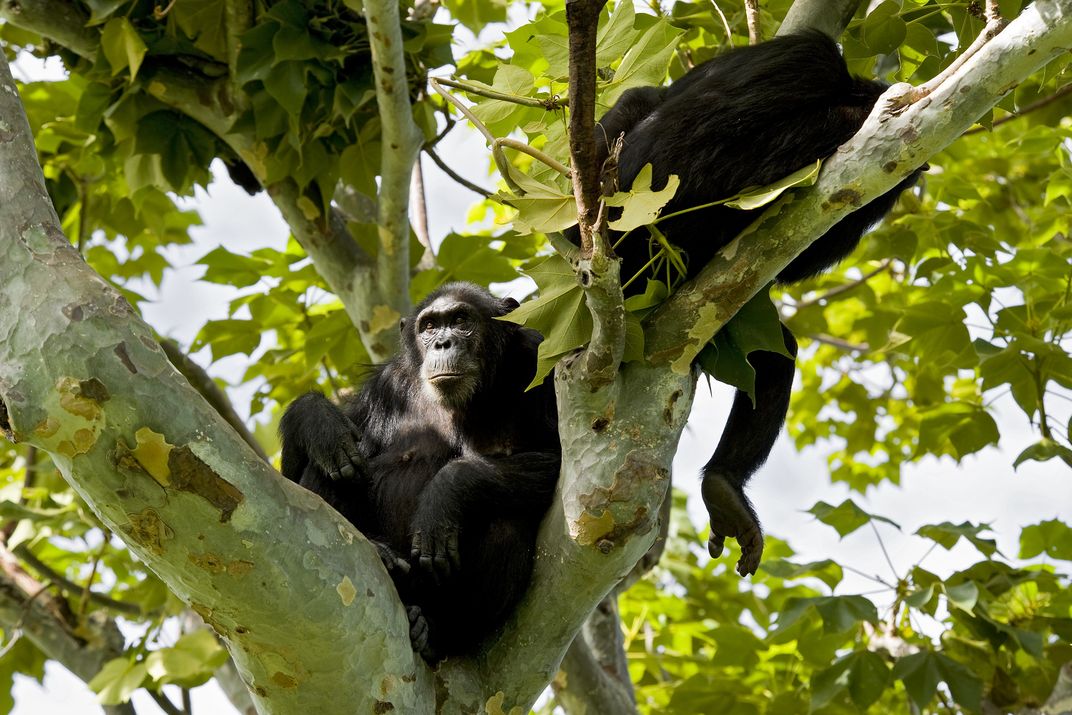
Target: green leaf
column 192, row 661
column 1043, row 451
column 118, row 680
column 883, row 30
column 286, row 83
column 1053, row 538
column 920, row 676
column 469, row 258
column 863, row 674
column 542, row 208
column 754, row 198
column 560, row 313
column 827, row 571
column 203, row 21
column 947, row 535
column 846, row 517
column 616, row 35
column 122, row 46
column 646, row 61
column 963, row 596
column 185, row 147
column 232, row 269
column 641, row 204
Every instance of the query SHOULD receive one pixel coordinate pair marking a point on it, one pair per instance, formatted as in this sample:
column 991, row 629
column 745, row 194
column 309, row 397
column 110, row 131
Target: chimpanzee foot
column 732, row 516
column 418, row 633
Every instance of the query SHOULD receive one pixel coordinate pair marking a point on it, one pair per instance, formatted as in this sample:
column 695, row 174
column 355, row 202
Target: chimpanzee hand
column 418, row 634
column 435, row 541
column 394, row 563
column 336, row 450
column 732, row 515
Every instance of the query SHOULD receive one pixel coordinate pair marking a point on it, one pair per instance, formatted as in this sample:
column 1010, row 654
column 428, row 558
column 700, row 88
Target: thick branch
column 584, row 687
column 401, row 142
column 85, row 381
column 887, row 149
column 617, row 446
column 65, row 23
column 831, row 17
column 203, row 383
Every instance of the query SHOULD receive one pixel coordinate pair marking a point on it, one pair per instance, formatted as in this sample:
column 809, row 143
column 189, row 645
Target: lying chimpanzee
column 744, row 119
column 442, row 457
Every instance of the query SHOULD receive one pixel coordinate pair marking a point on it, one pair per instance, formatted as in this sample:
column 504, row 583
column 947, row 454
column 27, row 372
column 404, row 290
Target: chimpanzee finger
column 344, row 467
column 441, row 561
column 715, row 545
column 453, row 554
column 415, row 546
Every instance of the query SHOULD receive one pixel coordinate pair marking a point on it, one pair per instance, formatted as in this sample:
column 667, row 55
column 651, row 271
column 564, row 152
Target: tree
column 307, row 100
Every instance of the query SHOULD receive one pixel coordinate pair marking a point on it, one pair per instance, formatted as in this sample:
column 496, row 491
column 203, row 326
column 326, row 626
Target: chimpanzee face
column 450, row 334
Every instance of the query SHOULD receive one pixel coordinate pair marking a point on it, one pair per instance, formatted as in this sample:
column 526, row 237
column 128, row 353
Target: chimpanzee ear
column 507, row 304
column 402, row 325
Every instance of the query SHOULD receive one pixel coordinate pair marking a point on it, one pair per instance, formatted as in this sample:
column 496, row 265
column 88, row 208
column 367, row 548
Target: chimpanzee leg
column 746, row 443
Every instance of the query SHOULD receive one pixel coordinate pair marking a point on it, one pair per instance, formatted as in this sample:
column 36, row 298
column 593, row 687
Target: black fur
column 745, row 118
column 444, row 461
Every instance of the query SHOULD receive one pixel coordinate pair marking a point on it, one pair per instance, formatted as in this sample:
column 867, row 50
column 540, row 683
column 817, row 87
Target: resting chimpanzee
column 745, row 118
column 444, row 458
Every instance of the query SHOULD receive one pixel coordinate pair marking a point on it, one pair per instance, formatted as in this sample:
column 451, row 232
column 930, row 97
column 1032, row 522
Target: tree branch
column 887, row 149
column 27, row 609
column 401, row 142
column 582, row 17
column 597, row 270
column 584, row 685
column 751, row 12
column 73, row 589
column 161, row 469
column 458, row 178
column 65, row 23
column 831, row 17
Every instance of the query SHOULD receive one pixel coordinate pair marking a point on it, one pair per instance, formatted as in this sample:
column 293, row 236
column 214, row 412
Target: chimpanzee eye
column 428, row 326
column 460, row 320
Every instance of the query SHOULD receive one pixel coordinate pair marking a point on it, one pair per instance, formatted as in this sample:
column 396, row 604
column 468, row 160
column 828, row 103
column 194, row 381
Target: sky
column 984, row 488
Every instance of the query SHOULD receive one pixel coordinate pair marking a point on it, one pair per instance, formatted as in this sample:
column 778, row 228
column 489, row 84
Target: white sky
column 983, row 489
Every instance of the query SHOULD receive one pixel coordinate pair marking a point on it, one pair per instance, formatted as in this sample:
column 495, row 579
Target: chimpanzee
column 444, row 461
column 746, row 118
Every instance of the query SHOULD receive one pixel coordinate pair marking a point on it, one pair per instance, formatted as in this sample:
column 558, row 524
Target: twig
column 30, row 559
column 1034, row 106
column 839, row 343
column 454, row 175
column 884, row 266
column 533, row 152
column 420, row 214
column 751, row 12
column 885, row 553
column 434, row 82
column 581, row 19
column 995, row 23
column 550, row 104
column 166, row 705
column 725, row 23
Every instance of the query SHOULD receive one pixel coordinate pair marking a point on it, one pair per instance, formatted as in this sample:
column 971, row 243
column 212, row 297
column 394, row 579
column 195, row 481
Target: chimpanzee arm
column 518, row 485
column 315, row 431
column 746, row 443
